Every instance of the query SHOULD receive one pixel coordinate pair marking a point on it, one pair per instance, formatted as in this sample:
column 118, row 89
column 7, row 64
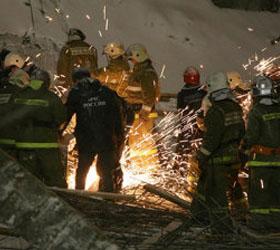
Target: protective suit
column 98, row 131
column 75, row 53
column 40, row 113
column 218, row 156
column 142, row 96
column 262, row 140
column 8, row 92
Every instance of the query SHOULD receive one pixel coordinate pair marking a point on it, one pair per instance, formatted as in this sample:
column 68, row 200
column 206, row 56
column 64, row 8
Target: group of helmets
column 263, row 85
column 136, row 52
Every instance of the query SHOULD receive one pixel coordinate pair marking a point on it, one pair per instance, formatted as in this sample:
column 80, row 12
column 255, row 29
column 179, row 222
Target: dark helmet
column 41, row 75
column 192, row 76
column 79, row 74
column 76, row 32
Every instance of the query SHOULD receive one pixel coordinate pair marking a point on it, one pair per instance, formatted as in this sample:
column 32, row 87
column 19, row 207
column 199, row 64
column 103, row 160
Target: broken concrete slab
column 40, row 216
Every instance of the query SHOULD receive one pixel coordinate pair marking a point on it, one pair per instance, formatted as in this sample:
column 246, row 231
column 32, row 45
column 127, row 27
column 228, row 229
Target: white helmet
column 217, row 81
column 114, row 50
column 13, row 60
column 263, row 86
column 137, row 53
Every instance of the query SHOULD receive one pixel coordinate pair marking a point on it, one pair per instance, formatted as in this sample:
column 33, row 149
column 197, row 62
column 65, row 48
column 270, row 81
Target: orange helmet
column 192, row 76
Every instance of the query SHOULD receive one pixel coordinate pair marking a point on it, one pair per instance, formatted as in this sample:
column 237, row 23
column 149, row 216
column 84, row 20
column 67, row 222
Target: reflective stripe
column 204, row 151
column 259, row 211
column 263, row 164
column 151, row 115
column 272, row 116
column 37, row 145
column 147, row 108
column 7, row 141
column 265, row 210
column 4, row 98
column 134, row 88
column 79, row 51
column 32, row 102
column 275, row 210
column 223, row 159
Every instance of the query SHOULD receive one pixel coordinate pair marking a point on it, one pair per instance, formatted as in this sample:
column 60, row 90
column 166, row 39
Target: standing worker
column 262, row 140
column 219, row 154
column 143, row 92
column 12, row 82
column 40, row 115
column 98, row 130
column 76, row 53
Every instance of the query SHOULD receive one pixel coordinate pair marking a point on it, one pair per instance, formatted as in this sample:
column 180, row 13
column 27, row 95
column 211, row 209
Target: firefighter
column 143, row 91
column 75, row 53
column 262, row 141
column 218, row 155
column 12, row 83
column 99, row 127
column 114, row 76
column 189, row 99
column 40, row 114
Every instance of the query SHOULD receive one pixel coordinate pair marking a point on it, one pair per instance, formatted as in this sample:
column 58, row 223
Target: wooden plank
column 168, row 196
column 96, row 195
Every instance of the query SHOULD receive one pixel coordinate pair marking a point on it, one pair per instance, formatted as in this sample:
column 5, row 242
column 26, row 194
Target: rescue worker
column 262, row 141
column 98, row 130
column 189, row 99
column 114, row 76
column 40, row 115
column 218, row 155
column 143, row 92
column 13, row 82
column 75, row 53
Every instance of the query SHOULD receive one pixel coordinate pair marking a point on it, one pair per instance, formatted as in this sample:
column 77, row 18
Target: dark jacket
column 224, row 130
column 74, row 54
column 41, row 114
column 190, row 96
column 264, row 126
column 99, row 120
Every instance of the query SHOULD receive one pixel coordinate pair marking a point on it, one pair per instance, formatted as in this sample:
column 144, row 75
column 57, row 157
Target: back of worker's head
column 76, row 34
column 43, row 76
column 79, row 74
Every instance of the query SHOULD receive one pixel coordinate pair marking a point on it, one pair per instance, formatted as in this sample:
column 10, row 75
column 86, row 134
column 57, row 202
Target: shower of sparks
column 57, row 10
column 262, row 183
column 105, row 12
column 100, row 33
column 49, row 19
column 67, row 16
column 265, row 65
column 162, row 72
column 107, row 24
column 250, row 29
column 88, row 17
column 155, row 159
column 201, row 66
column 38, row 55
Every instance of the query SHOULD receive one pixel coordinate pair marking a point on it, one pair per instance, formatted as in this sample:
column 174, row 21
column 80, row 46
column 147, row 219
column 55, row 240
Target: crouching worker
column 98, row 130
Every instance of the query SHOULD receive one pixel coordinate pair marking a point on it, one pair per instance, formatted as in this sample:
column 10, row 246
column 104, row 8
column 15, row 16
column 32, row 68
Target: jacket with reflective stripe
column 224, row 131
column 39, row 115
column 142, row 84
column 264, row 129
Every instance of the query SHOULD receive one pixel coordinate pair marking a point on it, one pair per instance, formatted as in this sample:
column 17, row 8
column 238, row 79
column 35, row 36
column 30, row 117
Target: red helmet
column 192, row 76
